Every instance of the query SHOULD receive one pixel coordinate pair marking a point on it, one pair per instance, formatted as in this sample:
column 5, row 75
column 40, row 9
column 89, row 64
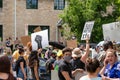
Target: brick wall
column 44, row 15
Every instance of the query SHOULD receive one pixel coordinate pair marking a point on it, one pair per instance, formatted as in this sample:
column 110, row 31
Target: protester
column 111, row 68
column 93, row 68
column 21, row 65
column 106, row 45
column 96, row 52
column 78, row 65
column 50, row 62
column 65, row 68
column 58, row 60
column 17, row 42
column 10, row 43
column 16, row 54
column 78, row 61
column 34, row 65
column 5, row 68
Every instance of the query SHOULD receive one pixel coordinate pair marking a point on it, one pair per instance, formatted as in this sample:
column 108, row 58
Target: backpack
column 49, row 66
column 16, row 65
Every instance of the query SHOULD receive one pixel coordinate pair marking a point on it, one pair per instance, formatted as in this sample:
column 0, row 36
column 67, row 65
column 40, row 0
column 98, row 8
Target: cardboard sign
column 72, row 43
column 25, row 40
column 39, row 39
column 37, row 29
column 87, row 30
column 111, row 31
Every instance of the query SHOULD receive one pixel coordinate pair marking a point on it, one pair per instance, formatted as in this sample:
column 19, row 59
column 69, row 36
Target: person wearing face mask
column 65, row 68
column 78, row 61
column 50, row 62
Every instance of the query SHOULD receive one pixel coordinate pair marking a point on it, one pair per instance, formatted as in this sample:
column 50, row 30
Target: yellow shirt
column 16, row 55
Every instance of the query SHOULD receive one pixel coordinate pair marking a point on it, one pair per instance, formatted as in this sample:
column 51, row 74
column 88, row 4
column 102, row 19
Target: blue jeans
column 20, row 74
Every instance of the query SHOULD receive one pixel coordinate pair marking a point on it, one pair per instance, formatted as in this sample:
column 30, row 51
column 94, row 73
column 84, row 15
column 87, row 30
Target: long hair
column 33, row 57
column 5, row 66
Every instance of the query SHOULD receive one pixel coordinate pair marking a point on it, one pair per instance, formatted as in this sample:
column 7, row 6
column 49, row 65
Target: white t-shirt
column 87, row 78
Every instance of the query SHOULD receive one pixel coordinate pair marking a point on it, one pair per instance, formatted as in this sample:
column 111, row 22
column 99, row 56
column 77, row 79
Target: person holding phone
column 111, row 68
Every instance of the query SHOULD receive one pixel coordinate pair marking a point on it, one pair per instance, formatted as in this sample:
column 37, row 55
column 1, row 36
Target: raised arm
column 85, row 55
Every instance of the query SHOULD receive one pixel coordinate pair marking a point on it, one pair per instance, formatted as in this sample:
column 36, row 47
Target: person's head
column 82, row 47
column 107, row 45
column 16, row 38
column 5, row 64
column 92, row 65
column 67, row 54
column 76, row 53
column 54, row 53
column 21, row 51
column 111, row 56
column 10, row 38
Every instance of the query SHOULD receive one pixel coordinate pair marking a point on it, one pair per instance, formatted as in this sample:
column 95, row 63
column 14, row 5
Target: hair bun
column 89, row 61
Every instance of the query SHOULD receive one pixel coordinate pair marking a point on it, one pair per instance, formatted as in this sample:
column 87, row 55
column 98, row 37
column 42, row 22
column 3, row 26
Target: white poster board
column 111, row 31
column 87, row 30
column 39, row 39
column 54, row 75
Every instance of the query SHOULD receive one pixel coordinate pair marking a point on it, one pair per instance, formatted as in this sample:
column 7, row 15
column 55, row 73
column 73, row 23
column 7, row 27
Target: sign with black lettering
column 87, row 30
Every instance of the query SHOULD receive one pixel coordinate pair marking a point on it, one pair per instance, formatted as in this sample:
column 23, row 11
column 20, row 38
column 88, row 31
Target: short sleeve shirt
column 86, row 78
column 113, row 72
column 77, row 64
column 64, row 66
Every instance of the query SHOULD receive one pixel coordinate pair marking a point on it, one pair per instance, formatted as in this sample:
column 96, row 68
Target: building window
column 59, row 4
column 32, row 4
column 32, row 27
column 1, row 3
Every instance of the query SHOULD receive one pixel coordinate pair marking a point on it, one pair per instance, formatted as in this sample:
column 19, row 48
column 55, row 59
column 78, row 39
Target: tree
column 78, row 12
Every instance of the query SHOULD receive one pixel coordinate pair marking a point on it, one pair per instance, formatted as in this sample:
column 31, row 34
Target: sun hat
column 76, row 52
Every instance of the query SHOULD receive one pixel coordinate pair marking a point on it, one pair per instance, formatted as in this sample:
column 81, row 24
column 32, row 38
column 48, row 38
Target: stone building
column 21, row 17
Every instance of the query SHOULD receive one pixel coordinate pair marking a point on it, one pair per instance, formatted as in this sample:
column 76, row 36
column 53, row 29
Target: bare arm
column 76, row 71
column 104, row 67
column 66, row 75
column 36, row 71
column 85, row 55
column 22, row 69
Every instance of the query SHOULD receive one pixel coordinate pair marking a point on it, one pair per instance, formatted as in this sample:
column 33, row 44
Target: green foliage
column 78, row 12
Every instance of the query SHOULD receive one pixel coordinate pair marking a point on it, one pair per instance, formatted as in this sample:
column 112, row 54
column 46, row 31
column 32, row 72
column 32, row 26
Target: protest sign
column 39, row 39
column 72, row 43
column 25, row 40
column 87, row 30
column 111, row 31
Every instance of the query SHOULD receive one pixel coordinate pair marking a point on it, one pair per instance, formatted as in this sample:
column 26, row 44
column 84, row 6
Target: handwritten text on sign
column 87, row 30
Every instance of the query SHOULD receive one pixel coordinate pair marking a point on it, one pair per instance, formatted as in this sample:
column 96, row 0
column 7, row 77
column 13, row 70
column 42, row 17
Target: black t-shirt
column 77, row 64
column 20, row 59
column 64, row 66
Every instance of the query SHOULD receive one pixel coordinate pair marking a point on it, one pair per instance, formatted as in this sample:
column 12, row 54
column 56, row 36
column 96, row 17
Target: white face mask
column 67, row 58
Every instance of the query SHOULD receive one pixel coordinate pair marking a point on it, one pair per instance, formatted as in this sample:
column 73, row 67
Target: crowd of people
column 80, row 63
